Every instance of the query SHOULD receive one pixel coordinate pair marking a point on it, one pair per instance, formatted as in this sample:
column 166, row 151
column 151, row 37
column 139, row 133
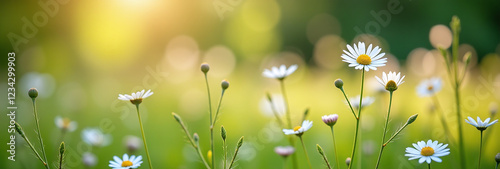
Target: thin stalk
column 429, row 165
column 144, row 137
column 31, row 146
column 348, row 102
column 335, row 148
column 305, row 152
column 211, row 121
column 358, row 119
column 480, row 151
column 218, row 107
column 289, row 120
column 39, row 133
column 455, row 24
column 225, row 153
column 385, row 130
column 443, row 120
column 275, row 112
column 191, row 140
column 201, row 156
column 284, row 163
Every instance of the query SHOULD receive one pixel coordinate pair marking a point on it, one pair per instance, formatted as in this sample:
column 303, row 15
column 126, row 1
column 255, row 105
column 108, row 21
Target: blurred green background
column 87, row 52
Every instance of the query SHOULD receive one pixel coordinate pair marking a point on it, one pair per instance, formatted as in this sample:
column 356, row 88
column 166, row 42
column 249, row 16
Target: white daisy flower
column 284, row 151
column 299, row 130
column 65, row 124
column 95, row 137
column 429, row 87
column 359, row 58
column 135, row 98
column 279, row 73
column 126, row 163
column 366, row 101
column 427, row 152
column 89, row 159
column 480, row 125
column 391, row 81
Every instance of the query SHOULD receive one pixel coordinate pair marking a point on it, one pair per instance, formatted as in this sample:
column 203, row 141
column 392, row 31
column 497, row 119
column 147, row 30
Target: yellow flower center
column 296, row 128
column 66, row 123
column 427, row 151
column 364, row 59
column 127, row 164
column 430, row 87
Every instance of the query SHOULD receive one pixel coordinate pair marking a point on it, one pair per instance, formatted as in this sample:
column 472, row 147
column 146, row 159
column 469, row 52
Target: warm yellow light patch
column 364, row 59
column 127, row 164
column 296, row 128
column 427, row 151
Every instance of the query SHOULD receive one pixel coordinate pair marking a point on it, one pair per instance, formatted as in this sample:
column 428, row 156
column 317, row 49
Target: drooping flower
column 359, row 58
column 427, row 152
column 480, row 125
column 429, row 87
column 126, row 162
column 135, row 98
column 391, row 81
column 65, row 124
column 95, row 137
column 330, row 120
column 284, row 151
column 279, row 73
column 299, row 130
column 366, row 101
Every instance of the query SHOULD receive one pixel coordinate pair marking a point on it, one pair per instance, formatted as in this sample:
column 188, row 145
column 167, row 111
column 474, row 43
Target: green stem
column 348, row 102
column 144, row 137
column 211, row 121
column 443, row 120
column 201, row 156
column 456, row 31
column 305, row 152
column 429, row 165
column 289, row 120
column 335, row 148
column 34, row 150
column 225, row 153
column 358, row 119
column 385, row 130
column 480, row 151
column 218, row 107
column 39, row 133
column 275, row 112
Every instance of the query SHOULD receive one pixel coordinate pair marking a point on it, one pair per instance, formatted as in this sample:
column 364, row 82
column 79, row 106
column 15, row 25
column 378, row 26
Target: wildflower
column 429, row 87
column 279, row 73
column 391, row 81
column 360, row 58
column 126, row 163
column 135, row 98
column 205, row 67
column 132, row 143
column 366, row 101
column 348, row 161
column 331, row 119
column 89, row 159
column 33, row 93
column 65, row 124
column 95, row 137
column 480, row 125
column 284, row 151
column 430, row 151
column 339, row 83
column 299, row 130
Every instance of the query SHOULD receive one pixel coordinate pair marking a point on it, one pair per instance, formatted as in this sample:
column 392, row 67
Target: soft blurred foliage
column 88, row 52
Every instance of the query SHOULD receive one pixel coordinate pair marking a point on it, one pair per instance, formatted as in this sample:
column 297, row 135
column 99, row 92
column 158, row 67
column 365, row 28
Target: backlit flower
column 135, row 98
column 480, row 125
column 427, row 152
column 391, row 81
column 299, row 130
column 359, row 58
column 279, row 73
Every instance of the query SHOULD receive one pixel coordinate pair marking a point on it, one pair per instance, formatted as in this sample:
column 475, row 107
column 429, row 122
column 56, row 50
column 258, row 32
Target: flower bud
column 339, row 83
column 497, row 158
column 240, row 142
column 176, row 117
column 33, row 93
column 223, row 133
column 224, row 84
column 20, row 130
column 196, row 138
column 62, row 148
column 348, row 161
column 205, row 67
column 320, row 150
column 330, row 120
column 412, row 119
column 467, row 58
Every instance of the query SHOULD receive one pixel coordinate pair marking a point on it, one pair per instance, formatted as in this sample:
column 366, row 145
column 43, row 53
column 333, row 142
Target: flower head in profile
column 135, row 98
column 480, row 125
column 359, row 58
column 65, row 124
column 330, row 120
column 427, row 152
column 391, row 81
column 95, row 137
column 284, row 151
column 299, row 130
column 279, row 73
column 429, row 87
column 126, row 162
column 366, row 101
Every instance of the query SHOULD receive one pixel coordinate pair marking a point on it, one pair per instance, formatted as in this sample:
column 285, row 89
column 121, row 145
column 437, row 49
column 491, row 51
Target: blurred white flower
column 391, row 81
column 480, row 125
column 126, row 162
column 359, row 58
column 279, row 73
column 132, row 143
column 284, row 151
column 427, row 152
column 89, row 159
column 299, row 130
column 366, row 101
column 429, row 87
column 95, row 137
column 135, row 98
column 65, row 124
